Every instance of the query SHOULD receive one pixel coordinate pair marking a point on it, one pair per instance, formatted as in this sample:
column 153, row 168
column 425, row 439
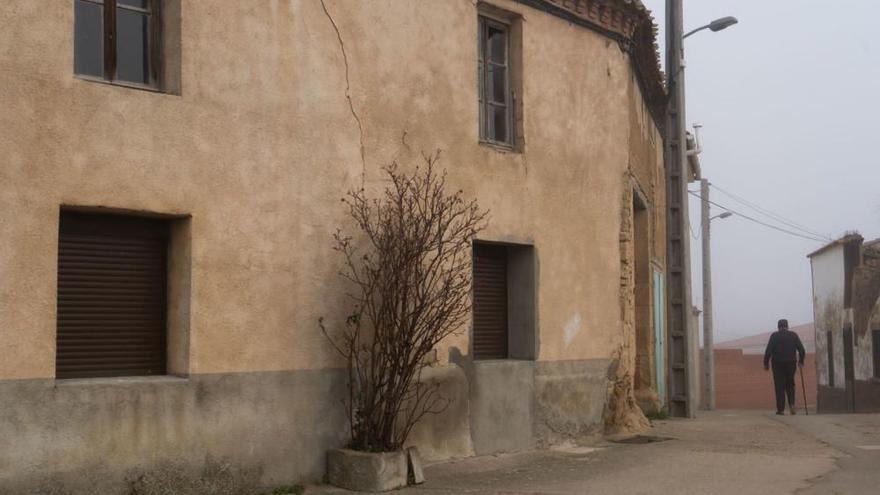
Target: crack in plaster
column 348, row 91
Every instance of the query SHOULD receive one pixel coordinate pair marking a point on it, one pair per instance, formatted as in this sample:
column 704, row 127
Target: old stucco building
column 169, row 185
column 846, row 306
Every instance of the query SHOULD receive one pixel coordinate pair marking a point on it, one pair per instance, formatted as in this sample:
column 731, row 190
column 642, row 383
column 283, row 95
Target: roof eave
column 846, row 239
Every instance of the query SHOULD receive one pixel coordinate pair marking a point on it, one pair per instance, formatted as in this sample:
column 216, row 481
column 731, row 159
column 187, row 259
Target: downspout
column 694, row 148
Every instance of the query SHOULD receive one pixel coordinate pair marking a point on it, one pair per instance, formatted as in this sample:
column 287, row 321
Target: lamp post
column 715, row 26
column 681, row 401
column 708, row 335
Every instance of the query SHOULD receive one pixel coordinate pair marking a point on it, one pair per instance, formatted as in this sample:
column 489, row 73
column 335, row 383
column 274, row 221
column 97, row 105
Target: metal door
column 660, row 335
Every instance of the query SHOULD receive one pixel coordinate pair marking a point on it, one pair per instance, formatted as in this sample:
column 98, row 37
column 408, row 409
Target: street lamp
column 682, row 337
column 708, row 332
column 715, row 26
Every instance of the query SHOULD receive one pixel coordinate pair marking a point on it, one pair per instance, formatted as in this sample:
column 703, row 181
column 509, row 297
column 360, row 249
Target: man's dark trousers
column 783, row 380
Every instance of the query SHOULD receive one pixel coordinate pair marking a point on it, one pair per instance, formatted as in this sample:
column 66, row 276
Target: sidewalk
column 718, row 453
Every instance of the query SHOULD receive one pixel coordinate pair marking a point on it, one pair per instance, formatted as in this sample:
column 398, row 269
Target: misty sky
column 789, row 103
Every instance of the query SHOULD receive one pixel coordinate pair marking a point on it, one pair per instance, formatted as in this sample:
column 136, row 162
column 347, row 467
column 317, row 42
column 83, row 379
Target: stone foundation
column 241, row 433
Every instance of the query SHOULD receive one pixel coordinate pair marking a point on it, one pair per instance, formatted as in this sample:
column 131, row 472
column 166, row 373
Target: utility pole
column 681, row 403
column 708, row 338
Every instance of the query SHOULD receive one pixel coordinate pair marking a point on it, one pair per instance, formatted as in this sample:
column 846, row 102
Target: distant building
column 846, row 288
column 741, row 381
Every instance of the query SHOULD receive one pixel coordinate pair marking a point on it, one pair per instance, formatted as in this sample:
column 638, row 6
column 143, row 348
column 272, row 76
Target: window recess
column 112, row 296
column 119, row 41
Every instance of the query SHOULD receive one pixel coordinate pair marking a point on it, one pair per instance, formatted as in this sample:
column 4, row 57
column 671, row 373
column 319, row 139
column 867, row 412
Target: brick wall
column 742, row 383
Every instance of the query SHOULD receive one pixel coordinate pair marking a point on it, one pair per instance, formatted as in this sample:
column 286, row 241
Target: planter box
column 367, row 471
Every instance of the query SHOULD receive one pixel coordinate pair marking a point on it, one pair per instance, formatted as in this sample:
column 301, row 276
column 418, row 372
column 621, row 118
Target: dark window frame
column 487, row 256
column 91, row 347
column 829, row 348
column 504, row 329
column 109, row 36
column 486, row 104
column 875, row 350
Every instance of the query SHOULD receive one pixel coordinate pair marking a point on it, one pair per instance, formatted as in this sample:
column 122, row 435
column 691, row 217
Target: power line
column 775, row 216
column 694, row 234
column 774, row 227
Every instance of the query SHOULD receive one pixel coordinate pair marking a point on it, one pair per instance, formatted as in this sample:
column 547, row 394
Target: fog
column 788, row 100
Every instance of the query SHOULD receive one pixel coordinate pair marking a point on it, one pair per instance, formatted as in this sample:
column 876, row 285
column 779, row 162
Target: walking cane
column 804, row 388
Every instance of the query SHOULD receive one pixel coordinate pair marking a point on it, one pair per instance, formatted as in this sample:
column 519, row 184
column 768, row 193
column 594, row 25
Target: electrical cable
column 694, row 234
column 775, row 216
column 774, row 227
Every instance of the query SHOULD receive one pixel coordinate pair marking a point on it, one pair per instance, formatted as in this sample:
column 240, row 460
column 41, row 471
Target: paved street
column 856, row 440
column 726, row 452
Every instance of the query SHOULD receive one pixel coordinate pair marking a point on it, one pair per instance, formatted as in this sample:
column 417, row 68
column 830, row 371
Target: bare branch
column 410, row 272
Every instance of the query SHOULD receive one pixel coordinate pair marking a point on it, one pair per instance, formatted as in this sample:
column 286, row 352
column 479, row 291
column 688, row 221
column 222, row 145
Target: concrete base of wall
column 446, row 435
column 243, row 432
column 863, row 398
column 569, row 400
column 218, row 433
column 867, row 396
column 501, row 405
column 227, row 432
column 517, row 405
column 832, row 400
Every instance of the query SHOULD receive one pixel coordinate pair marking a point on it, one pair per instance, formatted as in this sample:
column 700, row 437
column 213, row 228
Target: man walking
column 781, row 349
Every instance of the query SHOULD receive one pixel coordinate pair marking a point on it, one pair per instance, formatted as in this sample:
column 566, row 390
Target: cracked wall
column 259, row 154
column 279, row 111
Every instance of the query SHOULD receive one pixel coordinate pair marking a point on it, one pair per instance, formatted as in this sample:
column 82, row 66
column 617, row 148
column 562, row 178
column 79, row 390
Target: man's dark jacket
column 782, row 348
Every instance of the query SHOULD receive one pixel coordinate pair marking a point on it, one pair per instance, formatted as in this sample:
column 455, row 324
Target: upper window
column 496, row 99
column 118, row 41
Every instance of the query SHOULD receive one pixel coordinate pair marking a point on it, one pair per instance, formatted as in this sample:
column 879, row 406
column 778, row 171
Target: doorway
column 660, row 334
column 644, row 375
column 848, row 368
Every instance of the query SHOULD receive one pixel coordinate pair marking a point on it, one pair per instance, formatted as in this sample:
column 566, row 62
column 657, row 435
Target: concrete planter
column 367, row 471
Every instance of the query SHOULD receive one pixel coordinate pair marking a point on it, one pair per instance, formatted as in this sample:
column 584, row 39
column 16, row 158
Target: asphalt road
column 856, row 440
column 725, row 452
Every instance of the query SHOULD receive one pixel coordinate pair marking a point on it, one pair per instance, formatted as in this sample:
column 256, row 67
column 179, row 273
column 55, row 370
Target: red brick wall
column 742, row 383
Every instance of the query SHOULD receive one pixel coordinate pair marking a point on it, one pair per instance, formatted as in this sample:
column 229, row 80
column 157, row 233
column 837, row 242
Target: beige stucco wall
column 269, row 129
column 262, row 142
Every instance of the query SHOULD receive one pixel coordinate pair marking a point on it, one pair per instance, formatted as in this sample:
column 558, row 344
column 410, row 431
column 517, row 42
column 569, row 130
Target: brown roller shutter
column 490, row 302
column 111, row 296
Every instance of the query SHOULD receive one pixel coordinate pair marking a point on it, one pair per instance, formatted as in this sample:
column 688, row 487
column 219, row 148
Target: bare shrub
column 410, row 266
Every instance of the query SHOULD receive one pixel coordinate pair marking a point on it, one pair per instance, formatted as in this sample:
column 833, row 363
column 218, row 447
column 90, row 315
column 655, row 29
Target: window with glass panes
column 496, row 102
column 118, row 41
